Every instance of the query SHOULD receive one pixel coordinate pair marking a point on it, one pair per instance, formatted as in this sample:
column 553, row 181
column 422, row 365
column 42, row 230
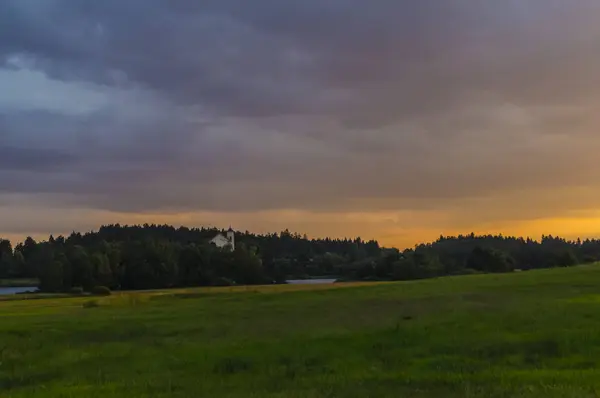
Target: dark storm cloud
column 237, row 105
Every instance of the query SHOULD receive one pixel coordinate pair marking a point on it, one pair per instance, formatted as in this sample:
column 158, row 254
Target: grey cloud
column 32, row 159
column 394, row 58
column 235, row 105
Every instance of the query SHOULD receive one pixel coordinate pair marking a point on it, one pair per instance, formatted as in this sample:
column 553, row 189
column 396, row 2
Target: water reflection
column 15, row 290
column 310, row 281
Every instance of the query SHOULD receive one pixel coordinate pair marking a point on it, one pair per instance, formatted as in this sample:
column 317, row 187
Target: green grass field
column 530, row 334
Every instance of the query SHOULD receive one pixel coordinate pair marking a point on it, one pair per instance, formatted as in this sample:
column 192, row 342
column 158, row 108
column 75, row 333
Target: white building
column 227, row 240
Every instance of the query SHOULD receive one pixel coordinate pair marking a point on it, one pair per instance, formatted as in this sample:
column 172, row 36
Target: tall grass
column 530, row 334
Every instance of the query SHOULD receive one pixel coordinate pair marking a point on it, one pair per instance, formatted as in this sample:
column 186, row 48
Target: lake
column 15, row 290
column 310, row 281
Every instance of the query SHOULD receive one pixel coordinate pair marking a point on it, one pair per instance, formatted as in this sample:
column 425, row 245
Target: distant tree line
column 468, row 254
column 161, row 256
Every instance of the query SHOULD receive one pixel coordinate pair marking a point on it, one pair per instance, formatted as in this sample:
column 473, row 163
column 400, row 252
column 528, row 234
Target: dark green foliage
column 405, row 269
column 160, row 256
column 156, row 257
column 76, row 290
column 30, row 250
column 51, row 277
column 489, row 260
column 7, row 266
column 82, row 272
column 18, row 262
column 102, row 272
column 567, row 258
column 100, row 291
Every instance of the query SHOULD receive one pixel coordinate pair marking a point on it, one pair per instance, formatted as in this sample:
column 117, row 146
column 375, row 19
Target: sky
column 398, row 120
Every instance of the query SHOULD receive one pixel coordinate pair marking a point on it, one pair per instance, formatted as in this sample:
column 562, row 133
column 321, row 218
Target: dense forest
column 161, row 256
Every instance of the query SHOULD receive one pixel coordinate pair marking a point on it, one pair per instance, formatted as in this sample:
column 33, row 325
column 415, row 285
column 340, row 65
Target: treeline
column 160, row 256
column 467, row 254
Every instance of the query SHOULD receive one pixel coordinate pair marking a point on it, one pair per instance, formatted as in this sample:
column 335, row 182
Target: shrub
column 76, row 290
column 101, row 291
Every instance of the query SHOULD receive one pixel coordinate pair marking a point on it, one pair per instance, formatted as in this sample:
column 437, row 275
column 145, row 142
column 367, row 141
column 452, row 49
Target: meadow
column 528, row 334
